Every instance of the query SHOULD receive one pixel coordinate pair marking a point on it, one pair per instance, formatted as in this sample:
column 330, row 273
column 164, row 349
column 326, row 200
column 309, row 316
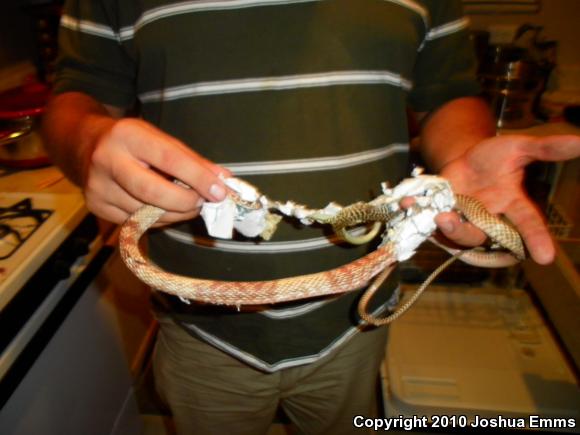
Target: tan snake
column 352, row 276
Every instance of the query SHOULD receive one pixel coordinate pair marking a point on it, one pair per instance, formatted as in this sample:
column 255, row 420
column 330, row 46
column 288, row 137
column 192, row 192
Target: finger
column 407, row 202
column 175, row 159
column 148, row 187
column 108, row 192
column 129, row 205
column 108, row 212
column 119, row 215
column 106, row 199
column 111, row 202
column 530, row 224
column 462, row 233
column 552, row 148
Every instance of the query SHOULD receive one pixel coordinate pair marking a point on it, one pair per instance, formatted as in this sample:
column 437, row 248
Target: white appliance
column 485, row 352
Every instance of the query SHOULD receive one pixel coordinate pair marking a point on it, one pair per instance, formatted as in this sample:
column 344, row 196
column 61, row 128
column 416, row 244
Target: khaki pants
column 210, row 392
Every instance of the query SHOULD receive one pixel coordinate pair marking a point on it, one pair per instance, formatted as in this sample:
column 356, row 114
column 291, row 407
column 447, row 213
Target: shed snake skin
column 349, row 277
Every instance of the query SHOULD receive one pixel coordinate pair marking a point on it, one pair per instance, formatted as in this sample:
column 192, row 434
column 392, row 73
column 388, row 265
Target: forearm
column 72, row 124
column 453, row 129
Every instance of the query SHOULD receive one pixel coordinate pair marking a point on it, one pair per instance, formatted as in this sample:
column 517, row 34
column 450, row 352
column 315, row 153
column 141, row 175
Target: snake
column 352, row 276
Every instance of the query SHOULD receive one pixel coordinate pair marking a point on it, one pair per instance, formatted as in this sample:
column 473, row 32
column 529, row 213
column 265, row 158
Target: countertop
column 43, row 180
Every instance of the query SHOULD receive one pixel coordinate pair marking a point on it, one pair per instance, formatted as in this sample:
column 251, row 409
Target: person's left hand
column 493, row 172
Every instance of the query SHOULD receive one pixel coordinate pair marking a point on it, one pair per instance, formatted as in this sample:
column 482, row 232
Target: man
column 305, row 99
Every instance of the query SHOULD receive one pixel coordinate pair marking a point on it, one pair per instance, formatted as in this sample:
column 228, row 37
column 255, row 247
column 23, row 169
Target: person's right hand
column 133, row 163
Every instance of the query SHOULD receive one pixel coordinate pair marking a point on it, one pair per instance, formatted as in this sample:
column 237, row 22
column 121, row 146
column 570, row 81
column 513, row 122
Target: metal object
column 21, row 145
column 512, row 85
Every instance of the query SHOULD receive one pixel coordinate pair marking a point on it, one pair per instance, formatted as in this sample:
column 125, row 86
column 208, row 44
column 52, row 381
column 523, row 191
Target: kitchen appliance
column 485, row 352
column 512, row 84
column 62, row 369
column 514, row 76
column 21, row 145
column 17, row 223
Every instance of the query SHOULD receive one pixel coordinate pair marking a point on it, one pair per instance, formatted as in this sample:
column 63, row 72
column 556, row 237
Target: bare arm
column 72, row 124
column 454, row 128
column 122, row 163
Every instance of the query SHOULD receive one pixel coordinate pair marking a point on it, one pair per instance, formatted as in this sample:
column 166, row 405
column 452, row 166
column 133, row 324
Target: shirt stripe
column 155, row 14
column 288, row 362
column 276, row 83
column 300, row 310
column 88, row 27
column 202, row 6
column 447, row 28
column 193, row 6
column 260, row 247
column 315, row 164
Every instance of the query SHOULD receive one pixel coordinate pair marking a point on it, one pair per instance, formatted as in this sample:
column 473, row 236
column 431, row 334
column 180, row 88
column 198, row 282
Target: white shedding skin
column 252, row 216
column 245, row 190
column 221, row 218
column 432, row 195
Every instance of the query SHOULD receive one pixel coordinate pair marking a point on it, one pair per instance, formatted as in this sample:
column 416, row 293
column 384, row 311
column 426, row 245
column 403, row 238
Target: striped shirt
column 305, row 99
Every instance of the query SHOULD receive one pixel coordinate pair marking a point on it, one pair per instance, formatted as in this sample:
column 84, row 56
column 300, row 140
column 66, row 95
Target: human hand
column 133, row 163
column 493, row 172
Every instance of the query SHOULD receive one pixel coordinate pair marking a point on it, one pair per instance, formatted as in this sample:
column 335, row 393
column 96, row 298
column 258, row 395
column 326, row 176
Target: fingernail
column 199, row 202
column 217, row 191
column 448, row 226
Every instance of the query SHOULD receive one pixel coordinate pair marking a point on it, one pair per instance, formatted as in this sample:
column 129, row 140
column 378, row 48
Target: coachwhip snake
column 351, row 276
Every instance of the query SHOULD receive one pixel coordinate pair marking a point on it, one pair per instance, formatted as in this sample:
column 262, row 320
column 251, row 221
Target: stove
column 32, row 227
column 17, row 223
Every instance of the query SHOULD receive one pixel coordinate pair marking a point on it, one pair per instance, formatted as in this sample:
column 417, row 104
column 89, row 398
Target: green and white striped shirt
column 305, row 99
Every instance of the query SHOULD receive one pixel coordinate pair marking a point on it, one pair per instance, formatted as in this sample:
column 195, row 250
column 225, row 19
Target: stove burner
column 17, row 223
column 4, row 230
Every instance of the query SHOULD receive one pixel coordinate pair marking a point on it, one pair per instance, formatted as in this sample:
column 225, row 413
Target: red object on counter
column 21, row 108
column 26, row 100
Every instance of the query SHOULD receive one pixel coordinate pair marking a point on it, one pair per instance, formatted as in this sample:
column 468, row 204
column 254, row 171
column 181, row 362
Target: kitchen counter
column 43, row 180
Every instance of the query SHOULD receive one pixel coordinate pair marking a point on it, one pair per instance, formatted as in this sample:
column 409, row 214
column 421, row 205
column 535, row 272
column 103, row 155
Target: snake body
column 352, row 276
column 348, row 277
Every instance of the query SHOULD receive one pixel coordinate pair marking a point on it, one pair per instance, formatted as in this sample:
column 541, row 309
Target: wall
column 16, row 37
column 16, row 44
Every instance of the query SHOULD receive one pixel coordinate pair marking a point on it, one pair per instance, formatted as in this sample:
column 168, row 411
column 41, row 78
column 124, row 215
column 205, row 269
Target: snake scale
column 349, row 277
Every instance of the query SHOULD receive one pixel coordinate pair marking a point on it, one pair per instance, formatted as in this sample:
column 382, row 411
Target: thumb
column 552, row 148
